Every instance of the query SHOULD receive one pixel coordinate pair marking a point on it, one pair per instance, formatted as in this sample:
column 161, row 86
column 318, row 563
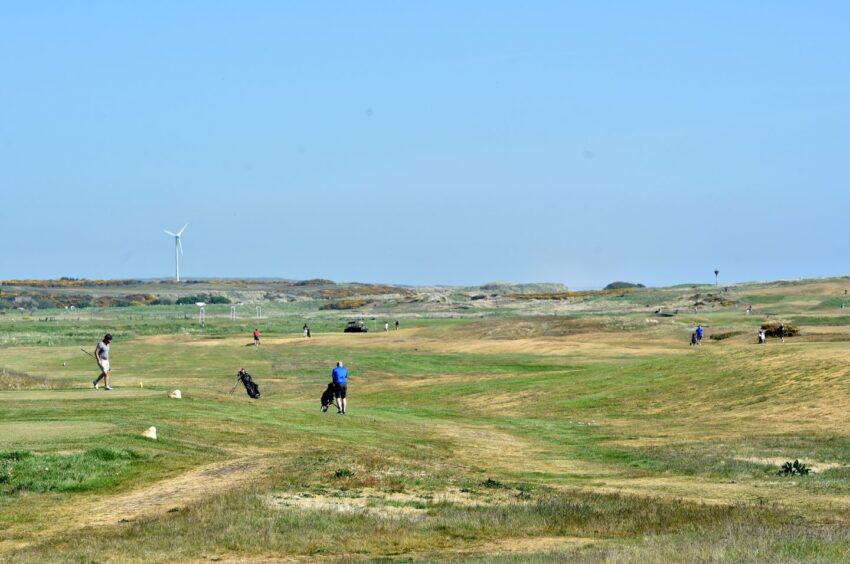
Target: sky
column 425, row 143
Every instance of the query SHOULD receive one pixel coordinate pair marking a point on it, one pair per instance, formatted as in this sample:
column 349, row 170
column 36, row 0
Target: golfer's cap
column 107, row 337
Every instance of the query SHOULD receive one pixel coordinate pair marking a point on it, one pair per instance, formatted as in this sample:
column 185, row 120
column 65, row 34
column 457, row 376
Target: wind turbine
column 178, row 249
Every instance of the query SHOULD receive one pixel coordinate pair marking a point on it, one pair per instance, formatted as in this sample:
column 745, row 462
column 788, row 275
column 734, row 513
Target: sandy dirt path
column 149, row 501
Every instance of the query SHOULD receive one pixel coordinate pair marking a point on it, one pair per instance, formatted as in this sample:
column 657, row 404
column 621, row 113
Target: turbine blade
column 180, row 244
column 183, row 229
column 170, row 233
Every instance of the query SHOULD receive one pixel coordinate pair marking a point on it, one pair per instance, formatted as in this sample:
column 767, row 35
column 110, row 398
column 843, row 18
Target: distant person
column 340, row 378
column 782, row 332
column 396, row 324
column 101, row 355
column 256, row 337
column 386, row 326
column 699, row 333
column 762, row 336
column 749, row 309
column 306, row 330
column 693, row 339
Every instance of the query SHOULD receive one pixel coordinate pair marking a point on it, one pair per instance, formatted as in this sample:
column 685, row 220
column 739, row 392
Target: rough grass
column 24, row 471
column 439, row 530
column 11, row 379
column 581, row 437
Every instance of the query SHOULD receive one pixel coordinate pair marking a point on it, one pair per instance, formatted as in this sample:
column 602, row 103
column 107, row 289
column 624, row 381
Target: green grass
column 24, row 471
column 462, row 452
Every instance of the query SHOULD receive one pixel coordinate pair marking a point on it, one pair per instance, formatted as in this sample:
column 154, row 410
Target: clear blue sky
column 426, row 142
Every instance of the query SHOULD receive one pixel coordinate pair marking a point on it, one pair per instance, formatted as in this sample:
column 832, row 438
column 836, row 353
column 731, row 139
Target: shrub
column 344, row 473
column 623, row 285
column 345, row 304
column 206, row 298
column 314, row 282
column 772, row 329
column 723, row 336
column 795, row 468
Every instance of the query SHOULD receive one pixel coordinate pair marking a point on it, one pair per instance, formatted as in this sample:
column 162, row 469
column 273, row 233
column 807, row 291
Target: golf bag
column 250, row 386
column 328, row 397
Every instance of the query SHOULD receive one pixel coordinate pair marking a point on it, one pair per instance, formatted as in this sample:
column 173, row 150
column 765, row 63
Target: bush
column 795, row 468
column 623, row 285
column 723, row 336
column 345, row 304
column 772, row 329
column 344, row 473
column 206, row 298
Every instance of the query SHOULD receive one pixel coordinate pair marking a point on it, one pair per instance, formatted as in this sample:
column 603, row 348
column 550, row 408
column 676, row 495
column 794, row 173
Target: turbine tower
column 178, row 250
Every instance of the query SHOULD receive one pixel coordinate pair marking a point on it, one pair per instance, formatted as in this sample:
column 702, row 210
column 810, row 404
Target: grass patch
column 233, row 524
column 25, row 471
column 11, row 379
column 724, row 336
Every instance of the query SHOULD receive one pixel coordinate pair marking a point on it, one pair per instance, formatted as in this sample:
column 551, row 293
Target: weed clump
column 795, row 468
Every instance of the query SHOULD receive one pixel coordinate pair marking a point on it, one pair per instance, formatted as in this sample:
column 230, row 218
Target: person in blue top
column 340, row 377
column 699, row 334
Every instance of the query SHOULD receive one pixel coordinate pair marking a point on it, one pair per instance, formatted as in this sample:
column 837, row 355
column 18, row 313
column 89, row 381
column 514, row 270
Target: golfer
column 256, row 337
column 340, row 378
column 101, row 355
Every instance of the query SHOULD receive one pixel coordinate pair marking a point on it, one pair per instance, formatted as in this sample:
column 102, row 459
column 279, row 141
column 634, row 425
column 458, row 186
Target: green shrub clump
column 771, row 329
column 206, row 298
column 795, row 468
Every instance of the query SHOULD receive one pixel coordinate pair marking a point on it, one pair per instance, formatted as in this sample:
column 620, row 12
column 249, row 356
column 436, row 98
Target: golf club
column 91, row 355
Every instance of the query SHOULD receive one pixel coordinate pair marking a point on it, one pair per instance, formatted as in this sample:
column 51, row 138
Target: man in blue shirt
column 699, row 334
column 340, row 377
